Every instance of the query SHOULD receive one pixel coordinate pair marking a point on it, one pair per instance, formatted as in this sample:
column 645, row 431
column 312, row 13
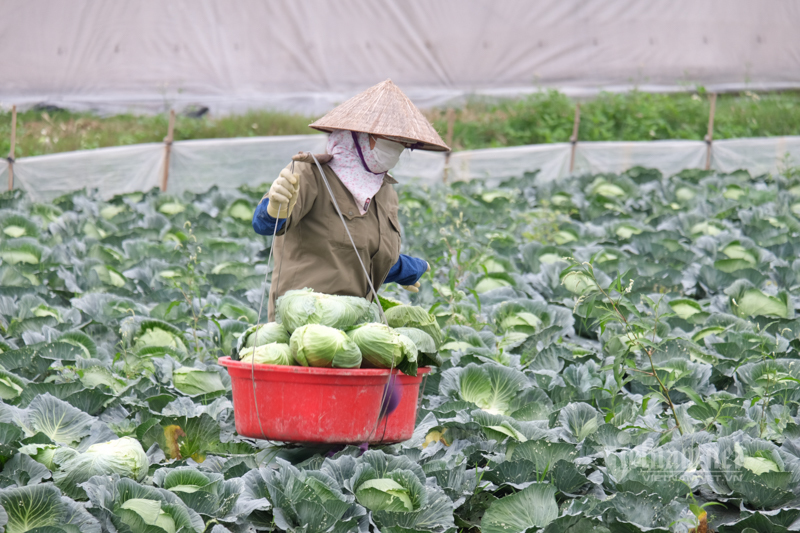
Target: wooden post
column 13, row 147
column 451, row 120
column 574, row 137
column 448, row 139
column 168, row 149
column 710, row 135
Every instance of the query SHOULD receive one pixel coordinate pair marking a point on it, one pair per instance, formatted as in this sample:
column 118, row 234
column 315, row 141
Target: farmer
column 367, row 135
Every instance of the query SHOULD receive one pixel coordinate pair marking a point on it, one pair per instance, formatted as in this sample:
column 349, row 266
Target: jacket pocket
column 394, row 221
column 396, row 233
column 390, row 247
column 363, row 229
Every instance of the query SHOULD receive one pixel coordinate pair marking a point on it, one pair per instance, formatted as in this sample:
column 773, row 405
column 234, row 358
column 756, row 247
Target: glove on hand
column 283, row 192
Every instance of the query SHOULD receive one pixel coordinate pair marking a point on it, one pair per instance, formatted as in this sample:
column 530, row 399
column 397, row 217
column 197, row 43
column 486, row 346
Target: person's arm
column 263, row 222
column 407, row 270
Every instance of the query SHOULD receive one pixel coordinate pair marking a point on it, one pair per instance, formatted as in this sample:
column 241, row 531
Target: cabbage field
column 620, row 353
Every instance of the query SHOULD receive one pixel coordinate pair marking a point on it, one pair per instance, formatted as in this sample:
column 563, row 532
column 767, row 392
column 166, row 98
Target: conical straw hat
column 383, row 110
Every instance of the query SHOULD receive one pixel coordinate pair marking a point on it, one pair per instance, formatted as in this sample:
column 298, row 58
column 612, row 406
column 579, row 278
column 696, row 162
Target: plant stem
column 664, row 391
column 634, row 337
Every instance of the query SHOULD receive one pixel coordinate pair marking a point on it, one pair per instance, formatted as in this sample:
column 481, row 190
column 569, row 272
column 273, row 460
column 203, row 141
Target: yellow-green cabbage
column 300, row 307
column 323, row 346
column 274, row 353
column 383, row 347
column 265, row 334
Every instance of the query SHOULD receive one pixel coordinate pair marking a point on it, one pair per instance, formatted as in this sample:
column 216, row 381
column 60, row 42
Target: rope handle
column 374, row 293
column 261, row 307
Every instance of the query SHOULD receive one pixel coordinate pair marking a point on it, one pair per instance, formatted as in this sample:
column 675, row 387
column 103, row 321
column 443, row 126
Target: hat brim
column 384, row 110
column 415, row 143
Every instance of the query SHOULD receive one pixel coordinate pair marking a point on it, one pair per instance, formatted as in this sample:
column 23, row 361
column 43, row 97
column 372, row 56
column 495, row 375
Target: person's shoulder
column 388, row 195
column 305, row 165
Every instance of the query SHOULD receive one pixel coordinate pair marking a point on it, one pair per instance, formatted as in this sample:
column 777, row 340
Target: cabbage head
column 755, row 470
column 412, row 316
column 158, row 333
column 300, row 307
column 324, row 346
column 385, row 483
column 194, row 381
column 385, row 494
column 263, row 334
column 124, row 456
column 427, row 354
column 150, row 512
column 383, row 347
column 421, row 340
column 274, row 353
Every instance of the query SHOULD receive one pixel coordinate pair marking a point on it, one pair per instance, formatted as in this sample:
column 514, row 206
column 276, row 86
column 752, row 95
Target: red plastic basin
column 330, row 405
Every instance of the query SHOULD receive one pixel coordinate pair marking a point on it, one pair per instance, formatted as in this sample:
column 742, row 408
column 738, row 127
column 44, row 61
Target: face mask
column 386, row 153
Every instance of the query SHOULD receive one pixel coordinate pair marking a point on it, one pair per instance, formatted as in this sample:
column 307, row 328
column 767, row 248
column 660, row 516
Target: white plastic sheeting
column 197, row 165
column 109, row 170
column 306, row 56
column 3, row 172
column 427, row 167
column 669, row 157
column 228, row 163
column 494, row 164
column 757, row 155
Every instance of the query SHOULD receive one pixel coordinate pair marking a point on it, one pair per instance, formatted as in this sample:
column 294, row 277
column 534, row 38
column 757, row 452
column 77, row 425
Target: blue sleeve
column 407, row 270
column 263, row 223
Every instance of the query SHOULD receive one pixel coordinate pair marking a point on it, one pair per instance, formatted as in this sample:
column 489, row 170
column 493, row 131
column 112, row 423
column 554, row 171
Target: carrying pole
column 451, row 120
column 13, row 147
column 168, row 149
column 710, row 135
column 574, row 137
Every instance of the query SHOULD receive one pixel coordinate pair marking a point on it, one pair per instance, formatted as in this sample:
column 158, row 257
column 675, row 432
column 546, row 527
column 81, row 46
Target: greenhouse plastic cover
column 228, row 163
column 307, row 56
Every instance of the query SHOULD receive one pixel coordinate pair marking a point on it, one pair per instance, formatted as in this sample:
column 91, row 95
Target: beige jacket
column 317, row 252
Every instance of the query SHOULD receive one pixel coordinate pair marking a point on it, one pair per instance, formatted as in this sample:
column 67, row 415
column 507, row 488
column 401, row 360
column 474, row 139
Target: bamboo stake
column 574, row 137
column 451, row 121
column 168, row 149
column 710, row 135
column 448, row 139
column 13, row 147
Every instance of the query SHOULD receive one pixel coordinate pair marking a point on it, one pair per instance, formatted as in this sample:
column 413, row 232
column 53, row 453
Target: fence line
column 573, row 139
column 228, row 163
column 168, row 149
column 11, row 150
column 710, row 134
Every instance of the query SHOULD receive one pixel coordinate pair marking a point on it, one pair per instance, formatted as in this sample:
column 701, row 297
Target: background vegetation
column 542, row 117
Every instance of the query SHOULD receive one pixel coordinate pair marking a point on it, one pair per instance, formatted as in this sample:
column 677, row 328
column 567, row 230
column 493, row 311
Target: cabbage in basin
column 323, row 346
column 412, row 316
column 383, row 347
column 265, row 334
column 300, row 307
column 421, row 340
column 274, row 353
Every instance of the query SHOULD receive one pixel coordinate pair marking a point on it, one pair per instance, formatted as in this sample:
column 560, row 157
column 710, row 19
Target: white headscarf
column 363, row 183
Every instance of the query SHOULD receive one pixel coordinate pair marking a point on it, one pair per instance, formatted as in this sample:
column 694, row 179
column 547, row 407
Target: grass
column 636, row 116
column 47, row 132
column 543, row 117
